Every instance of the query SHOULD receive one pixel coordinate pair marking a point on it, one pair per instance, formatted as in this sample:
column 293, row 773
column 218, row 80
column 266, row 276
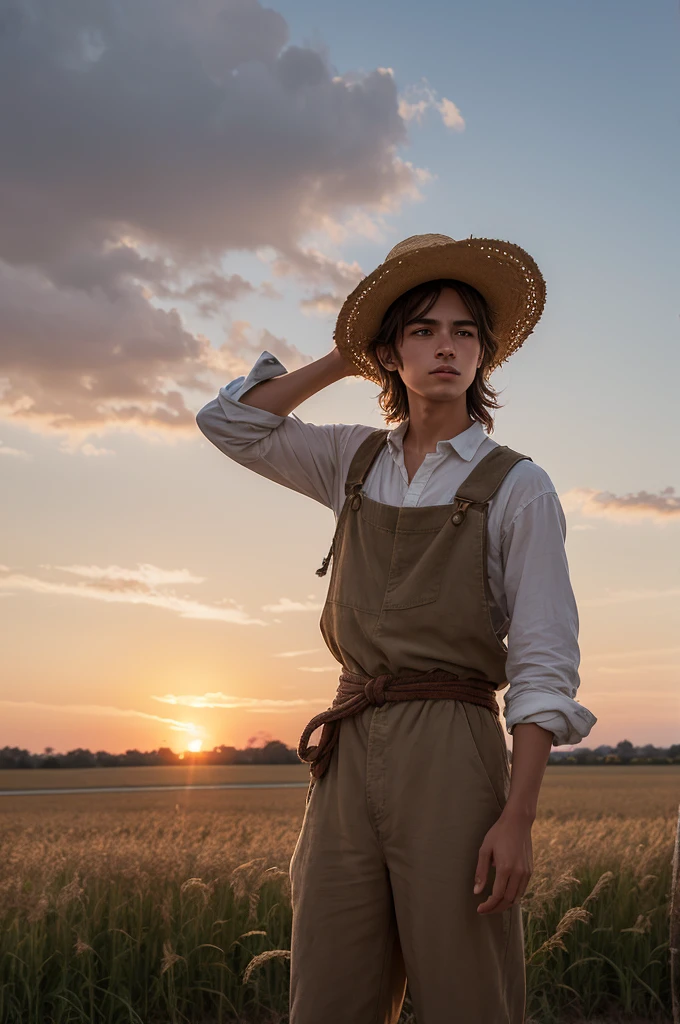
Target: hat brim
column 504, row 273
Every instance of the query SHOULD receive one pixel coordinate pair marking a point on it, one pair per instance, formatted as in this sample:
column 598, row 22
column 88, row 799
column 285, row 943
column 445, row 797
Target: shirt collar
column 465, row 444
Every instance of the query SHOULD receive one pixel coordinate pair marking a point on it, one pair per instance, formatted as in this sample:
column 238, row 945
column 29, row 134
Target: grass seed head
column 262, row 958
column 170, row 958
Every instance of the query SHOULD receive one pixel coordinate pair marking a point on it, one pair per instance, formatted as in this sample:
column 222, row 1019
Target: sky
column 183, row 185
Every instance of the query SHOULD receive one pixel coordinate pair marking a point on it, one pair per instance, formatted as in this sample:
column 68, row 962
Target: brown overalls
column 383, row 870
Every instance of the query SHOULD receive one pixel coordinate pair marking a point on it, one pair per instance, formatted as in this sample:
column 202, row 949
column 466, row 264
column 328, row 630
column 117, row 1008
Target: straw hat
column 502, row 272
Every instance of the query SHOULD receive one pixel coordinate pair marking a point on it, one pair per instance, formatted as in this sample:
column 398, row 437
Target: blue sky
column 569, row 148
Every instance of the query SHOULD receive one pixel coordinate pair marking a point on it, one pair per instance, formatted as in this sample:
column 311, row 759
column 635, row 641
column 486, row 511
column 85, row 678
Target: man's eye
column 461, row 330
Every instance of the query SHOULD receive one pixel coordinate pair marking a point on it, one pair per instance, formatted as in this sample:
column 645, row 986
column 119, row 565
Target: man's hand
column 348, row 369
column 508, row 845
column 508, row 842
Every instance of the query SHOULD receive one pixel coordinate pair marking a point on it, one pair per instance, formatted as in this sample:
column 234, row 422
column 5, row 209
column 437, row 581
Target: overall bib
column 382, row 874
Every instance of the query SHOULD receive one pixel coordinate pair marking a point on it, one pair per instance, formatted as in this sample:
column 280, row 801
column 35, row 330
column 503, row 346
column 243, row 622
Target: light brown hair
column 393, row 399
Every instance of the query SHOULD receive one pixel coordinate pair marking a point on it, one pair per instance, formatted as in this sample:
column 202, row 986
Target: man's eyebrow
column 429, row 320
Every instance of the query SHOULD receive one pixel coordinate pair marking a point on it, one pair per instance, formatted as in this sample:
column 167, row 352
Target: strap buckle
column 355, row 496
column 460, row 511
column 323, row 568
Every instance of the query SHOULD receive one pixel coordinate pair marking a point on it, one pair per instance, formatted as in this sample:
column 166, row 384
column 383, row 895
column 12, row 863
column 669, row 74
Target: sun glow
column 194, row 746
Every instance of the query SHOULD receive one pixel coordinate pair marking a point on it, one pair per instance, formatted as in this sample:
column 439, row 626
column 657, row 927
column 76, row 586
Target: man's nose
column 445, row 344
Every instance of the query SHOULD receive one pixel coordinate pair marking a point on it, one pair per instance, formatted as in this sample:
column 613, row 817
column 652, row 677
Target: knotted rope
column 357, row 692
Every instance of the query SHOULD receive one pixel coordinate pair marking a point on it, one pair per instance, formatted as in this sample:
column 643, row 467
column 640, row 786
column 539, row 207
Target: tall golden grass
column 178, row 910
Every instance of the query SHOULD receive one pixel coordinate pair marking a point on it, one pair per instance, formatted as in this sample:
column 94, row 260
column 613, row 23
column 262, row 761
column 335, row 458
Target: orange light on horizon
column 194, row 746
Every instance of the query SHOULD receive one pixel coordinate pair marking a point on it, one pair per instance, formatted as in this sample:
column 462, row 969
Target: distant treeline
column 273, row 752
column 276, row 752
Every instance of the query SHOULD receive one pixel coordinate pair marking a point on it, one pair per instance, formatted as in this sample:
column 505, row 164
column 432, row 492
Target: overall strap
column 356, row 474
column 363, row 459
column 488, row 475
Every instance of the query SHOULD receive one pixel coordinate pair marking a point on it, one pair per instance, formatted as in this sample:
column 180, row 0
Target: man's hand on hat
column 348, row 368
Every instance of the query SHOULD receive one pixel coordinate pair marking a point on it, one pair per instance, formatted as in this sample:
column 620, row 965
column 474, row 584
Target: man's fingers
column 497, row 894
column 482, row 868
column 508, row 896
column 512, row 892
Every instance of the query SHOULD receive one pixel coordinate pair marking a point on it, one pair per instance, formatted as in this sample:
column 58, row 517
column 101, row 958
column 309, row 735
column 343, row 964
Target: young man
column 415, row 848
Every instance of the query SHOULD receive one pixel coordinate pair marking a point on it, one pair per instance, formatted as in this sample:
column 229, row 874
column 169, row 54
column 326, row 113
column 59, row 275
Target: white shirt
column 527, row 562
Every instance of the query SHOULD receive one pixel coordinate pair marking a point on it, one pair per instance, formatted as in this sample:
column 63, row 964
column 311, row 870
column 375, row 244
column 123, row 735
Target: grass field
column 149, row 907
column 174, row 775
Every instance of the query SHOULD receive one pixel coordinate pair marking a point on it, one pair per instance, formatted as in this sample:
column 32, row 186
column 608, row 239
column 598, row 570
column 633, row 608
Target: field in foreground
column 171, row 775
column 149, row 907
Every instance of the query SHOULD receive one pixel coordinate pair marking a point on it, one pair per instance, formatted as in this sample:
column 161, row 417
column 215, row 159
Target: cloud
column 79, row 360
column 625, row 670
column 319, row 668
column 296, row 654
column 142, row 586
column 323, row 303
column 211, row 291
column 13, row 453
column 101, row 709
column 196, row 126
column 450, row 114
column 627, row 508
column 223, row 700
column 416, row 100
column 285, row 604
column 315, row 268
column 149, row 575
column 628, row 596
column 244, row 345
column 647, row 653
column 91, row 450
column 145, row 140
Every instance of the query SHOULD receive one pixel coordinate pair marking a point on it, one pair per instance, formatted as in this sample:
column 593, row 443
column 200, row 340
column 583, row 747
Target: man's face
column 444, row 337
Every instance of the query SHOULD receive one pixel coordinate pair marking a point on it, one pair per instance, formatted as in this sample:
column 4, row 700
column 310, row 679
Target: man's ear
column 385, row 357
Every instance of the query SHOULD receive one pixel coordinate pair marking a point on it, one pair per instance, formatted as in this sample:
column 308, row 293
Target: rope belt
column 357, row 692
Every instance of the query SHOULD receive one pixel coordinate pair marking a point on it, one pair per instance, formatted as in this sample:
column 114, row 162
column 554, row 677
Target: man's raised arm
column 249, row 421
column 280, row 395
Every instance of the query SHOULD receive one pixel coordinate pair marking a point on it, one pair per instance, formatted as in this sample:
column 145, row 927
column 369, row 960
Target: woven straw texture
column 502, row 272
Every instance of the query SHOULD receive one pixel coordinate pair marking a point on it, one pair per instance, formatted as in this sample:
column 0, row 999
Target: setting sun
column 194, row 746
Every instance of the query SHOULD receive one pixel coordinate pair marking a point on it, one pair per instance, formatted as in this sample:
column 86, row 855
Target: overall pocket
column 487, row 751
column 363, row 553
column 424, row 546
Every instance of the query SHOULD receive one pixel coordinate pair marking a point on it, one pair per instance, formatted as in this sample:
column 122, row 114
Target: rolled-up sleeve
column 543, row 651
column 305, row 457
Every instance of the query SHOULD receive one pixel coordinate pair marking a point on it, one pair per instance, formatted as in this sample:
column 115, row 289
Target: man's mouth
column 447, row 369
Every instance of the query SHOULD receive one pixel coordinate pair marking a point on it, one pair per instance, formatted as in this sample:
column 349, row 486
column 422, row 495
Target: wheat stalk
column 262, row 958
column 169, row 957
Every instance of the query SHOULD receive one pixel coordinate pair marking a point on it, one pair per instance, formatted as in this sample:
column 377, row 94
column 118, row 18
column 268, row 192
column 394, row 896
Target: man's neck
column 430, row 422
